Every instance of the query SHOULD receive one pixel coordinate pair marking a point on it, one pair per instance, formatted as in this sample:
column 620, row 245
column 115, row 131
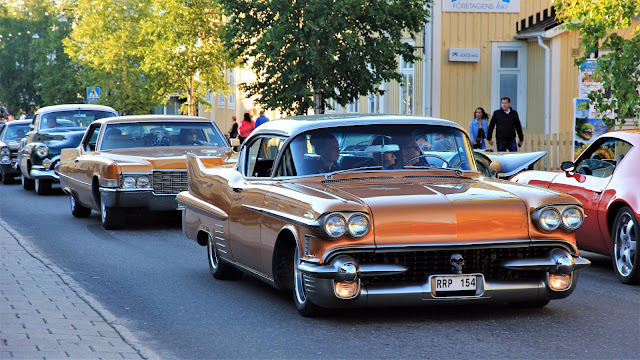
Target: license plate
column 455, row 282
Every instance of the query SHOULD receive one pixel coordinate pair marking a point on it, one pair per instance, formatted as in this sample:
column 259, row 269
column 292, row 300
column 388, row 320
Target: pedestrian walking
column 507, row 123
column 246, row 127
column 233, row 130
column 479, row 128
column 261, row 119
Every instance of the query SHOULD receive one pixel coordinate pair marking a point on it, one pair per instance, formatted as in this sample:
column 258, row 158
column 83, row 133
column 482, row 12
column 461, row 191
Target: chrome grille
column 422, row 264
column 169, row 182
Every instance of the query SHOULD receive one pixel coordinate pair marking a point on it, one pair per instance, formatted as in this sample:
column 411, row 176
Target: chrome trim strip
column 219, row 232
column 219, row 238
column 284, row 216
column 73, row 179
column 370, row 270
column 218, row 225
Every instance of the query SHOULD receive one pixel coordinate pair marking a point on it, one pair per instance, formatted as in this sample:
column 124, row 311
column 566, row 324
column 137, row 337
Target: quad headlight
column 135, row 181
column 337, row 224
column 551, row 217
column 42, row 150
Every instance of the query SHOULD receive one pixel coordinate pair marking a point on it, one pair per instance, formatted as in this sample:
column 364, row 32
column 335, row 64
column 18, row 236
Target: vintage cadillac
column 10, row 136
column 379, row 210
column 52, row 129
column 132, row 163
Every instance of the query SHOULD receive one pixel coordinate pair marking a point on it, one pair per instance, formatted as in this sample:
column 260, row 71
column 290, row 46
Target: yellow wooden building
column 473, row 53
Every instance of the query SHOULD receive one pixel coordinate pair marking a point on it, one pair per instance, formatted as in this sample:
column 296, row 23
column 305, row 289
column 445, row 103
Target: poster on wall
column 587, row 127
column 494, row 6
column 587, row 80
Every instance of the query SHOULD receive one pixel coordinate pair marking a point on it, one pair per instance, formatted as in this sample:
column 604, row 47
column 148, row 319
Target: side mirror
column 494, row 168
column 31, row 127
column 69, row 153
column 567, row 166
column 235, row 142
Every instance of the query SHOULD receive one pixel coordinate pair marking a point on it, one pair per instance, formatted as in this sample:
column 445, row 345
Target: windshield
column 15, row 132
column 164, row 133
column 72, row 118
column 387, row 147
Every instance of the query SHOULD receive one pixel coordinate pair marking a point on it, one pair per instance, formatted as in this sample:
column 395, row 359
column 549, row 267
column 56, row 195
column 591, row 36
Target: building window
column 232, row 85
column 354, row 106
column 374, row 102
column 407, row 84
column 509, row 76
column 331, row 106
column 221, row 100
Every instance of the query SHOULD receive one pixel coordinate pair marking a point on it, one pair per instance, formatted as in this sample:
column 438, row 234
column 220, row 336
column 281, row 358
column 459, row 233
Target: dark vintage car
column 350, row 211
column 10, row 136
column 52, row 129
column 606, row 179
column 136, row 163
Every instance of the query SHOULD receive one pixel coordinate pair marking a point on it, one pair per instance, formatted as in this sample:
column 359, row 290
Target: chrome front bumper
column 137, row 198
column 40, row 173
column 319, row 281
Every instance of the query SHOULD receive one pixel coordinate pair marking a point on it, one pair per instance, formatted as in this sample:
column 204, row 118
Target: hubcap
column 103, row 211
column 625, row 245
column 73, row 202
column 213, row 257
column 301, row 297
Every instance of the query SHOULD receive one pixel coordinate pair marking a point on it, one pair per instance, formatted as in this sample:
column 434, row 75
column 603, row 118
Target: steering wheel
column 426, row 156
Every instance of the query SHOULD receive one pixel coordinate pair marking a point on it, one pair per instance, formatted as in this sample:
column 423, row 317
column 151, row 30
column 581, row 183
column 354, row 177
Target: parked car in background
column 352, row 211
column 52, row 129
column 10, row 136
column 511, row 163
column 606, row 179
column 132, row 163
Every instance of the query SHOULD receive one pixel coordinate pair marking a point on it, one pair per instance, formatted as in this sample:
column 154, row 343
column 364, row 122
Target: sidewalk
column 44, row 314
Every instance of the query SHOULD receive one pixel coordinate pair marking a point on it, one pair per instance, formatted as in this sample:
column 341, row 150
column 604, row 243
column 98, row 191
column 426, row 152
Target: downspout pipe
column 547, row 85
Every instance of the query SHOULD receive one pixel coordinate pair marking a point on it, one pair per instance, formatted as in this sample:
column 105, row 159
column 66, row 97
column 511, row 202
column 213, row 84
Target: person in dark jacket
column 507, row 124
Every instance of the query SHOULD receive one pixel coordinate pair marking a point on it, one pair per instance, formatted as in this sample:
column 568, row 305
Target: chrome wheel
column 112, row 218
column 220, row 269
column 78, row 210
column 213, row 255
column 624, row 253
column 298, row 281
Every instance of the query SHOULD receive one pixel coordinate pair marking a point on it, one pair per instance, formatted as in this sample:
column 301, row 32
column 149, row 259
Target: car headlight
column 129, row 182
column 358, row 225
column 5, row 151
column 549, row 219
column 572, row 218
column 42, row 150
column 335, row 225
column 5, row 158
column 143, row 182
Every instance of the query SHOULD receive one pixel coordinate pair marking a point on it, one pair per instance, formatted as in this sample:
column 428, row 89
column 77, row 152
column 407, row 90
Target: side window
column 91, row 138
column 599, row 160
column 261, row 155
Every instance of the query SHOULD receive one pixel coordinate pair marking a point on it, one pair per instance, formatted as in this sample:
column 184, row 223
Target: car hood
column 145, row 159
column 69, row 137
column 432, row 211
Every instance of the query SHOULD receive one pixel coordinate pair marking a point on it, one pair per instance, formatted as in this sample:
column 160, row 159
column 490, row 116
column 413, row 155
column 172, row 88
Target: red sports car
column 606, row 179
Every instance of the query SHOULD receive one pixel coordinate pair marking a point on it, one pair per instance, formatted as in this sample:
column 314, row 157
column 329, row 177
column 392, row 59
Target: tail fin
column 195, row 170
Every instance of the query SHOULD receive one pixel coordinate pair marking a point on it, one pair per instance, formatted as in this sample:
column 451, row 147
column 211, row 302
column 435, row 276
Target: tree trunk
column 318, row 100
column 193, row 111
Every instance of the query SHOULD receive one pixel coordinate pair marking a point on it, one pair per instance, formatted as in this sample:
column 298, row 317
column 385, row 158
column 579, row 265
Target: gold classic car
column 379, row 210
column 130, row 163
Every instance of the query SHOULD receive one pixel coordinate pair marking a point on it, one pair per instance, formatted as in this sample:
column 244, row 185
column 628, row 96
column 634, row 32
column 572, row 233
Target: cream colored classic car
column 133, row 163
column 373, row 210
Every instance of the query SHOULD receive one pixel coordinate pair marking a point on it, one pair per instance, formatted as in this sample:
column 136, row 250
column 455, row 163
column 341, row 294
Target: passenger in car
column 328, row 148
column 188, row 137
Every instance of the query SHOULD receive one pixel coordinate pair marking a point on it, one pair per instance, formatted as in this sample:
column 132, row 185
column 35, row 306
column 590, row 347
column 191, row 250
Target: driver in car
column 410, row 152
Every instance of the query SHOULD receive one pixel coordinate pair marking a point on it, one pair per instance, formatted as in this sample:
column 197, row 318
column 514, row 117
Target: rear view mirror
column 567, row 166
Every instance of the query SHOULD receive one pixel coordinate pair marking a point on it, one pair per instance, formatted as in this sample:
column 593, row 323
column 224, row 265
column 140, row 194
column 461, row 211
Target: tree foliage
column 306, row 51
column 600, row 23
column 34, row 71
column 186, row 54
column 106, row 39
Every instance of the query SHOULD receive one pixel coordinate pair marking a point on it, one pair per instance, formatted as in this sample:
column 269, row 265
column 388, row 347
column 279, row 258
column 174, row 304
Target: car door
column 82, row 168
column 592, row 173
column 246, row 217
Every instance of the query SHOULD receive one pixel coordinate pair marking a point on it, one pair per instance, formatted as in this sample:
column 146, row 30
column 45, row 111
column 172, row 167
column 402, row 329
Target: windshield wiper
column 330, row 176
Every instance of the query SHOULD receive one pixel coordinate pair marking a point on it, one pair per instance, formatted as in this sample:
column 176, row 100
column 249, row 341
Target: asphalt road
column 157, row 282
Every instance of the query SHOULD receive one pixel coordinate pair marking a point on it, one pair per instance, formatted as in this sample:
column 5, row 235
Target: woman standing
column 478, row 129
column 246, row 127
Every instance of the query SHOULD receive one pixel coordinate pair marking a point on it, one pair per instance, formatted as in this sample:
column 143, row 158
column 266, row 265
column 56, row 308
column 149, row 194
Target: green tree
column 600, row 23
column 106, row 40
column 187, row 55
column 34, row 71
column 307, row 51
